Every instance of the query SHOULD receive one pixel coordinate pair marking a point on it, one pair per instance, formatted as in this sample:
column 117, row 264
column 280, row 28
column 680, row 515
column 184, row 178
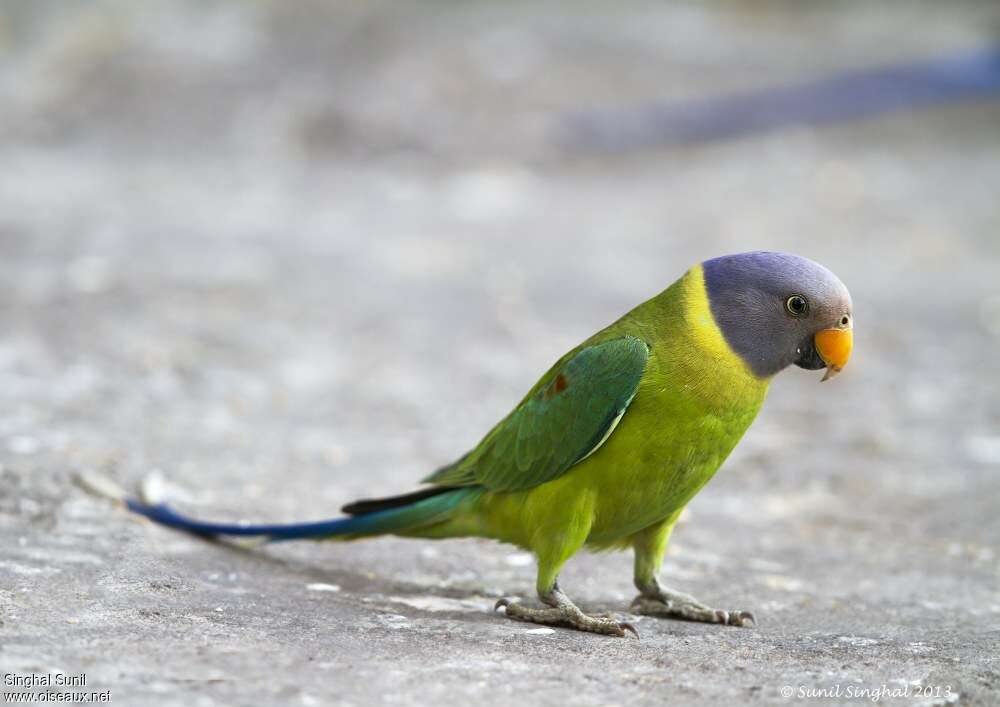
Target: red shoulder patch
column 556, row 386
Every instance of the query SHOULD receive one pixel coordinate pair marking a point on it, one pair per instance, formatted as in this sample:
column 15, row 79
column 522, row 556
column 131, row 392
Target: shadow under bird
column 618, row 436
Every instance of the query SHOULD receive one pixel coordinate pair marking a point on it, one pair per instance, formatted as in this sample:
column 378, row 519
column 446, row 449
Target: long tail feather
column 423, row 512
column 369, row 505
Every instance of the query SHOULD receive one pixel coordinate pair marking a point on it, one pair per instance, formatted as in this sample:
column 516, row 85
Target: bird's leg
column 563, row 612
column 656, row 600
column 554, row 546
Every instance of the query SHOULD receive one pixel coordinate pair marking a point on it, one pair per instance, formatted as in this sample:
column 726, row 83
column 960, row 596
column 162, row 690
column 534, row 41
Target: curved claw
column 501, row 602
column 625, row 626
column 734, row 618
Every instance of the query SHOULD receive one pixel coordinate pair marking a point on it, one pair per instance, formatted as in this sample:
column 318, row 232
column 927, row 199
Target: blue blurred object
column 839, row 98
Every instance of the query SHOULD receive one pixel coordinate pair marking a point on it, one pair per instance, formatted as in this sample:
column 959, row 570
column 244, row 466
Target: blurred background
column 294, row 253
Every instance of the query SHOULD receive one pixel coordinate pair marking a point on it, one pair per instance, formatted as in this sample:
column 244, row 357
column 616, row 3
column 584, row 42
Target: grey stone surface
column 291, row 254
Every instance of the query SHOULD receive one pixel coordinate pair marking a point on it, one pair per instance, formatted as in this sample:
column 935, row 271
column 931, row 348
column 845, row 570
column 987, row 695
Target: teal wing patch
column 566, row 418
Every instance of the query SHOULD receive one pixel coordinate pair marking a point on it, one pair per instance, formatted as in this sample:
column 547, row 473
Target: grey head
column 778, row 309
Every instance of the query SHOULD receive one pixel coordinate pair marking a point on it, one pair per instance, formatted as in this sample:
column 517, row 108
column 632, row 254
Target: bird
column 610, row 445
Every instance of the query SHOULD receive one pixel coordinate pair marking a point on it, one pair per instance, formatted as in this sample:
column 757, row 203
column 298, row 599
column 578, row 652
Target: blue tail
column 421, row 513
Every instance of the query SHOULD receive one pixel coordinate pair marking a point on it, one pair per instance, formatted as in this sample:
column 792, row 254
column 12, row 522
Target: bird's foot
column 562, row 612
column 666, row 603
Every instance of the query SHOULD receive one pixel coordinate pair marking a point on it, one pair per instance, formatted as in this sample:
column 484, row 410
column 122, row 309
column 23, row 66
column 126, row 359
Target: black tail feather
column 370, row 505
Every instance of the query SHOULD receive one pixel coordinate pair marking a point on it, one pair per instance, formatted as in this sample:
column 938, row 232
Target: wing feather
column 569, row 414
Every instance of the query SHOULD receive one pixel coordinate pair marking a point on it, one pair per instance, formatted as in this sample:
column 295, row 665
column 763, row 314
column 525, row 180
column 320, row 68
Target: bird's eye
column 797, row 305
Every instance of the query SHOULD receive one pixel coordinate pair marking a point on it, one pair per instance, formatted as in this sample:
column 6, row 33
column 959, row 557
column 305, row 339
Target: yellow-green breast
column 695, row 400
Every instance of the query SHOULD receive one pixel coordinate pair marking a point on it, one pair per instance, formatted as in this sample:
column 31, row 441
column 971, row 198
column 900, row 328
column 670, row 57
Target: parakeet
column 615, row 439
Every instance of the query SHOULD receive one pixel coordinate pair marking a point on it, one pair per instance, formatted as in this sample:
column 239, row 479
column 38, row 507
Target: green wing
column 563, row 420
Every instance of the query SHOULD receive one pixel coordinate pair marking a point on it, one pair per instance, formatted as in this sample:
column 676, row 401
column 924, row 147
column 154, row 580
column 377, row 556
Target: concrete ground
column 291, row 254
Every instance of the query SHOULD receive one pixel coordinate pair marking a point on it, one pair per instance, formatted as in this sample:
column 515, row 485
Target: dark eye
column 797, row 305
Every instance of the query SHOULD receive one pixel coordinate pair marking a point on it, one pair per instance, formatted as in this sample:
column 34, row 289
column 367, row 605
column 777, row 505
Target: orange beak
column 834, row 347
